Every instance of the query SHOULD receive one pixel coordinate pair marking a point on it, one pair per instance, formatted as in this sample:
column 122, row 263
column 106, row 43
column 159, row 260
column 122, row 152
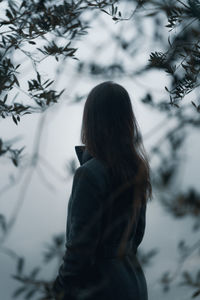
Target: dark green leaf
column 166, row 89
column 34, row 272
column 194, row 104
column 32, row 43
column 14, row 119
column 5, row 98
column 17, row 277
column 151, row 14
column 197, row 293
column 113, row 9
column 19, row 291
column 30, row 293
column 105, row 11
column 20, row 265
column 3, row 222
column 8, row 14
column 38, row 77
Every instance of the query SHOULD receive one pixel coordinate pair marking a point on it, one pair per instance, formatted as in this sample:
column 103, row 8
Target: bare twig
column 184, row 258
column 183, row 4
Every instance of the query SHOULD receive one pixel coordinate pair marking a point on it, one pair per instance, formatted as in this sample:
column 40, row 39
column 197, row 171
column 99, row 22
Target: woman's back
column 108, row 275
column 107, row 205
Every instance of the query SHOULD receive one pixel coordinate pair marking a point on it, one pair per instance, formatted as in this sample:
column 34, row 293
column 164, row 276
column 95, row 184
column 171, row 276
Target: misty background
column 40, row 194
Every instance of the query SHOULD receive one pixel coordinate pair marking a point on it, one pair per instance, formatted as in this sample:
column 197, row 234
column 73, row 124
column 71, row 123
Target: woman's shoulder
column 95, row 171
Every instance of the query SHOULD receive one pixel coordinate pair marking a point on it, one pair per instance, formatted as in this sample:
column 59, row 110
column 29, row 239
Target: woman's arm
column 84, row 231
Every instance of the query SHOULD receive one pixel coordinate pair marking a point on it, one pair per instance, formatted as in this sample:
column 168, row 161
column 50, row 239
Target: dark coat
column 92, row 268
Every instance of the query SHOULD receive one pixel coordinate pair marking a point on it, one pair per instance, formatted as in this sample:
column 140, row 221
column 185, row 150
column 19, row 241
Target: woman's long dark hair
column 110, row 133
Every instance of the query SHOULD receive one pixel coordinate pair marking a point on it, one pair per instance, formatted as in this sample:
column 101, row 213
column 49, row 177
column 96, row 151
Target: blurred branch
column 50, row 167
column 168, row 278
column 43, row 177
column 27, row 180
column 53, row 24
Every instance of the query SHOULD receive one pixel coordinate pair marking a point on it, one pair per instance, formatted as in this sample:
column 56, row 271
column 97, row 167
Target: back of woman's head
column 110, row 133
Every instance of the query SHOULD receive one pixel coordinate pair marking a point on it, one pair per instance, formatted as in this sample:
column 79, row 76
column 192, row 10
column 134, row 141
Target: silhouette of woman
column 107, row 207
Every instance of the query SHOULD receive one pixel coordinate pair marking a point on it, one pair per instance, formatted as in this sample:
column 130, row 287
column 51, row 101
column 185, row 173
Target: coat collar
column 82, row 154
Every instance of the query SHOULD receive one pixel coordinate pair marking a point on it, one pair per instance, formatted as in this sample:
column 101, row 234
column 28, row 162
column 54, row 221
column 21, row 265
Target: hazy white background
column 44, row 210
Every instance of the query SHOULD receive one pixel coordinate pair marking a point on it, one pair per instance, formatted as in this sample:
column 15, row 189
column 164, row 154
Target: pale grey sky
column 44, row 211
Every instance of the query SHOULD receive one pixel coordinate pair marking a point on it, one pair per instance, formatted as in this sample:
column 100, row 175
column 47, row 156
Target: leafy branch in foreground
column 53, row 49
column 48, row 27
column 36, row 23
column 39, row 92
column 187, row 279
column 15, row 154
column 30, row 283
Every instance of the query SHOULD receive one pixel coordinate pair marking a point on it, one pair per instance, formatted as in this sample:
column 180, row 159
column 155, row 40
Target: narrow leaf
column 14, row 119
column 194, row 104
column 20, row 265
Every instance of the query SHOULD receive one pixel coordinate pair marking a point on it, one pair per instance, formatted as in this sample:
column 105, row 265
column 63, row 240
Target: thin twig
column 9, row 252
column 51, row 168
column 183, row 4
column 157, row 127
column 180, row 264
column 44, row 179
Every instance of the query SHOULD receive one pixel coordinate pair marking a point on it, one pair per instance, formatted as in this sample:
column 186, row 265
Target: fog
column 44, row 209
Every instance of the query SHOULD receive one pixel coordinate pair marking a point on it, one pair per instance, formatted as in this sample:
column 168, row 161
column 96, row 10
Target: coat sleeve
column 83, row 232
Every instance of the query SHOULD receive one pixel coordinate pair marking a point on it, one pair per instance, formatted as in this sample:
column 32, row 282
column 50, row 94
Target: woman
column 107, row 205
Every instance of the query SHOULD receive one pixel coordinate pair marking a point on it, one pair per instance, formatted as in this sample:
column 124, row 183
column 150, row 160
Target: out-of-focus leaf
column 20, row 265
